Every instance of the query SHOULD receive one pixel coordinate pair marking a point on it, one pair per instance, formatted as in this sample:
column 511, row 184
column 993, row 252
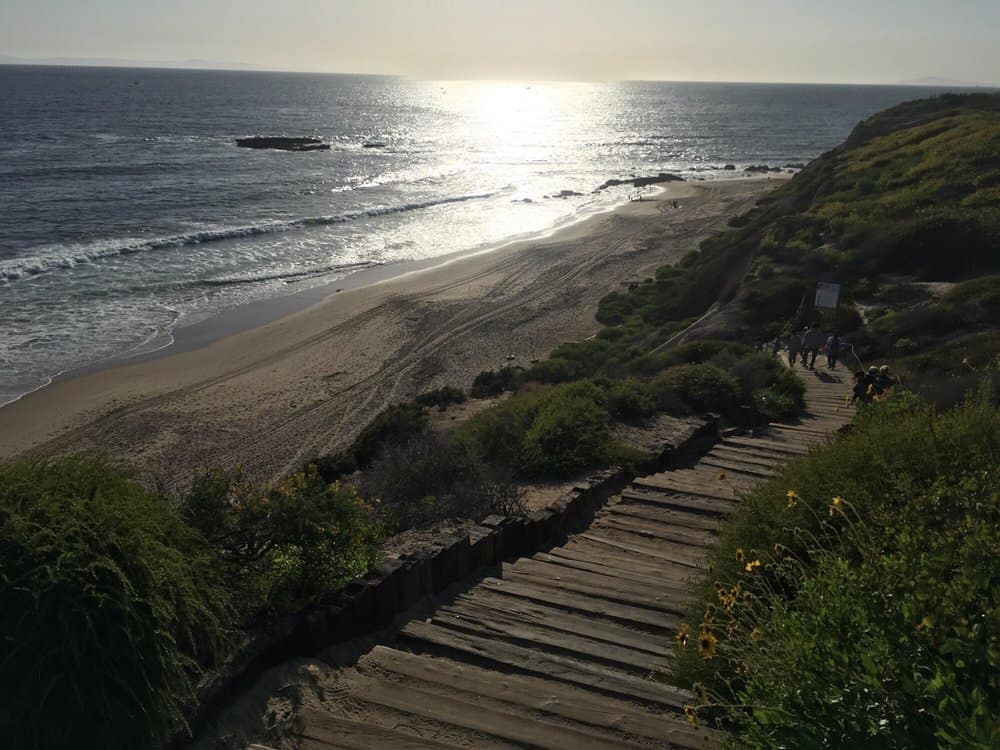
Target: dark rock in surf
column 642, row 181
column 730, row 167
column 373, row 144
column 283, row 143
column 564, row 194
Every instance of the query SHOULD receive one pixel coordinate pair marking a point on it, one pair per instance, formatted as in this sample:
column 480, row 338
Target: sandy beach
column 269, row 397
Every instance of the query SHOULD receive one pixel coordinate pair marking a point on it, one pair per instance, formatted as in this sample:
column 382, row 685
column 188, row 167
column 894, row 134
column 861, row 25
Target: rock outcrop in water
column 283, row 143
column 642, row 181
column 761, row 169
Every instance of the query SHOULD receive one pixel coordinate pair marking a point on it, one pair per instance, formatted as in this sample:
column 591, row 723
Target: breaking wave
column 64, row 258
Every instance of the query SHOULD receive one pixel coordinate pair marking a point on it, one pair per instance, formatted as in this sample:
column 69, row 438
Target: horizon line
column 239, row 67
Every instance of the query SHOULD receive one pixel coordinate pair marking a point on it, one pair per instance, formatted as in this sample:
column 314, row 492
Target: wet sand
column 268, row 397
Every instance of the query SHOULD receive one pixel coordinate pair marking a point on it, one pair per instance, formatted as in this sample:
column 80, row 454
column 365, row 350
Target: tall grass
column 110, row 607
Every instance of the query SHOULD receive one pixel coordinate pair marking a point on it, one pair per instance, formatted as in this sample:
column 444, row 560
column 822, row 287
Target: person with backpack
column 794, row 347
column 833, row 347
column 812, row 342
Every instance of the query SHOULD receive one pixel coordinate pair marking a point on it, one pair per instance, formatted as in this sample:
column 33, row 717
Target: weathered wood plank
column 556, row 667
column 544, row 697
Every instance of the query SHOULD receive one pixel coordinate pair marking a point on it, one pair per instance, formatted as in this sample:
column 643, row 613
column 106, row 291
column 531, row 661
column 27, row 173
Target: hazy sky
column 735, row 40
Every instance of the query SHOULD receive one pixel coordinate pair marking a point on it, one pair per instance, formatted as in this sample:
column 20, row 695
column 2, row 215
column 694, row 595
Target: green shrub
column 696, row 387
column 853, row 599
column 569, row 434
column 431, row 477
column 557, row 430
column 774, row 405
column 287, row 545
column 692, row 351
column 396, row 423
column 441, row 397
column 558, row 370
column 493, row 383
column 109, row 607
column 629, row 399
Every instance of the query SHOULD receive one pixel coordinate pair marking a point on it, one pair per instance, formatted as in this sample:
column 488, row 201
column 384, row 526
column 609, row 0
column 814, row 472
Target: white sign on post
column 827, row 295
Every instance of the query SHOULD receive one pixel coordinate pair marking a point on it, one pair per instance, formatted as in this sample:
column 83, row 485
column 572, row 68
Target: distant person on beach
column 794, row 345
column 833, row 347
column 811, row 344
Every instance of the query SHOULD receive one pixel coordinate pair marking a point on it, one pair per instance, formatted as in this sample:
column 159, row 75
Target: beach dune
column 272, row 396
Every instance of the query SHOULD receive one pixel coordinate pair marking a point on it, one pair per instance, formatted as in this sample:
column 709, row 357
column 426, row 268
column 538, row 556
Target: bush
column 109, row 608
column 629, row 399
column 691, row 351
column 558, row 370
column 871, row 619
column 774, row 405
column 569, row 434
column 696, row 387
column 441, row 397
column 493, row 383
column 430, row 477
column 557, row 430
column 285, row 546
column 395, row 423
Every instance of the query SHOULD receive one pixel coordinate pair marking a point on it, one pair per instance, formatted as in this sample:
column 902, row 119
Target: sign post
column 827, row 295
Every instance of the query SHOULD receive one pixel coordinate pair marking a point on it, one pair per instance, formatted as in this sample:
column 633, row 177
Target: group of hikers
column 870, row 385
column 808, row 343
column 805, row 346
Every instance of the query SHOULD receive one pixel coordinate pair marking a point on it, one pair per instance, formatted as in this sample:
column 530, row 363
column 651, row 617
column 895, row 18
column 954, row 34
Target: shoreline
column 229, row 321
column 267, row 384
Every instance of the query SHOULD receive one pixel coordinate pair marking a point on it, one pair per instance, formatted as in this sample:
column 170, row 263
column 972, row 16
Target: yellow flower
column 793, row 498
column 739, row 555
column 706, row 644
column 683, row 633
column 709, row 612
column 750, row 566
column 722, row 474
column 699, row 689
column 836, row 506
column 691, row 715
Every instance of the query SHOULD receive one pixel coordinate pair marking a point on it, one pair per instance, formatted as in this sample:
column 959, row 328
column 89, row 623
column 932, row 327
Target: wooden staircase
column 556, row 650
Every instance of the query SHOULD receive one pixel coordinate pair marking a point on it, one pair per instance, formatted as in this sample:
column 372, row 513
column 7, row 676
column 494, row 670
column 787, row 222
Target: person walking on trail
column 812, row 343
column 860, row 392
column 884, row 380
column 794, row 346
column 872, row 382
column 833, row 346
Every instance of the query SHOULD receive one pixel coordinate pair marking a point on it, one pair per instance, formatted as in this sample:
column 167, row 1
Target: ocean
column 128, row 210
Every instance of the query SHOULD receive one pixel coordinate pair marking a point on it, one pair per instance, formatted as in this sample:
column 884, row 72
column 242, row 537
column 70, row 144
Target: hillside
column 905, row 216
column 906, row 209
